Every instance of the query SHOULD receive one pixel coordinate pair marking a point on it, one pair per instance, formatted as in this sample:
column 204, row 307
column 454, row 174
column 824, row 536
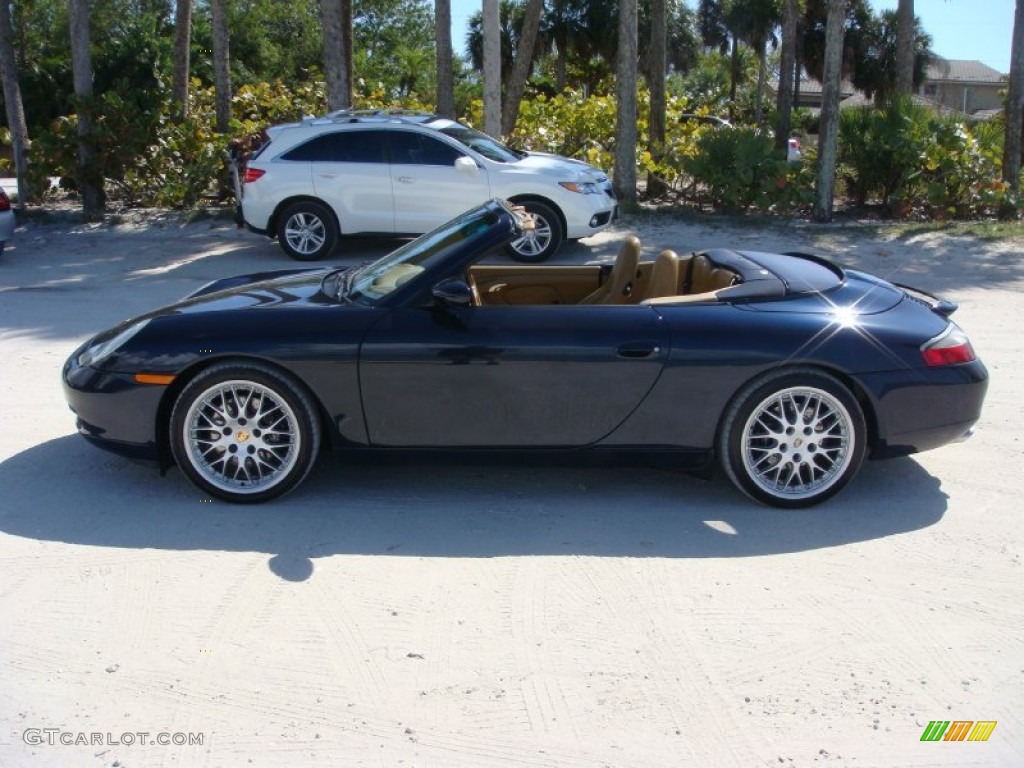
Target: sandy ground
column 481, row 615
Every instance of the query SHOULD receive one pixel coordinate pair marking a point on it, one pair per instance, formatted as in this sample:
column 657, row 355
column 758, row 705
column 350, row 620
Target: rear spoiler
column 944, row 307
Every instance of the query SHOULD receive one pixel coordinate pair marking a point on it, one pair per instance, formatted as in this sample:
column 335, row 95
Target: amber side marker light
column 154, row 378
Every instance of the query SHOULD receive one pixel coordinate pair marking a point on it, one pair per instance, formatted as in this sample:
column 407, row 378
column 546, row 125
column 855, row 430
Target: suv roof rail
column 372, row 115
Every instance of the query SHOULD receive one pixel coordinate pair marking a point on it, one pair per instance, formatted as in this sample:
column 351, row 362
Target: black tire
column 244, row 432
column 546, row 238
column 792, row 438
column 307, row 231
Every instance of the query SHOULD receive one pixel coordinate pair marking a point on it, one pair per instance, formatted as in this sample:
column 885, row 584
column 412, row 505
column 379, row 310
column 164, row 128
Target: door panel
column 428, row 190
column 507, row 376
column 350, row 172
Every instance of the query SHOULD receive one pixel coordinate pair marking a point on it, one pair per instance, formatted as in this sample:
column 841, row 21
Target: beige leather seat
column 619, row 285
column 706, row 277
column 664, row 279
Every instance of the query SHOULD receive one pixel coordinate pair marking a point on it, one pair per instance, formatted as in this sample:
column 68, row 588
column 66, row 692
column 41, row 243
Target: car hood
column 562, row 165
column 258, row 290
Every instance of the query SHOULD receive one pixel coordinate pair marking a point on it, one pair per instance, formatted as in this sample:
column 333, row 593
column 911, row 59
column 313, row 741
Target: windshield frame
column 374, row 283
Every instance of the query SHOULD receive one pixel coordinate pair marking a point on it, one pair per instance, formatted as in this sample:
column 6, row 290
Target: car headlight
column 96, row 353
column 583, row 187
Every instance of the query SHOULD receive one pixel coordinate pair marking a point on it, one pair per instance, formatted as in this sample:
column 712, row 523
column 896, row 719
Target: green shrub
column 913, row 159
column 740, row 168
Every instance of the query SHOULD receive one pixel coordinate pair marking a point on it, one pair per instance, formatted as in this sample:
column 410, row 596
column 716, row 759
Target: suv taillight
column 252, row 174
column 951, row 347
column 5, row 202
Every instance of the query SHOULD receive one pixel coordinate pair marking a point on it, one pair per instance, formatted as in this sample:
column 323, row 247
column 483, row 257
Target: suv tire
column 546, row 238
column 307, row 231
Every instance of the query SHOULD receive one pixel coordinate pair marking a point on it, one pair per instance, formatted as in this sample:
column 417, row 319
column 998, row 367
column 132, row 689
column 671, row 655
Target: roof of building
column 808, row 85
column 961, row 71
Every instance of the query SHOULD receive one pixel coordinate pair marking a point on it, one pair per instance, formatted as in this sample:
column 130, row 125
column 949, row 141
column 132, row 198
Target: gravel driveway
column 483, row 614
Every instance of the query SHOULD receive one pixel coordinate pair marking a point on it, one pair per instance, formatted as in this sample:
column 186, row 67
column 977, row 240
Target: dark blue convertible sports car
column 786, row 369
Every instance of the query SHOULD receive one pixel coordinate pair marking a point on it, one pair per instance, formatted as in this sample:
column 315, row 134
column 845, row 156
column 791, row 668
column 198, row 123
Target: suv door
column 428, row 190
column 350, row 174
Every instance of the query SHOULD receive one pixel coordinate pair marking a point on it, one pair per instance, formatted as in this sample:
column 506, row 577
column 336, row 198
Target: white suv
column 404, row 173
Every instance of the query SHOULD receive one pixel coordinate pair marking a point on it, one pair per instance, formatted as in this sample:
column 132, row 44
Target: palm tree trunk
column 492, row 67
column 221, row 68
column 90, row 177
column 656, row 86
column 905, row 47
column 445, row 64
column 182, row 51
column 784, row 99
column 13, row 103
column 1014, row 113
column 525, row 51
column 827, row 139
column 762, row 70
column 625, row 94
column 332, row 21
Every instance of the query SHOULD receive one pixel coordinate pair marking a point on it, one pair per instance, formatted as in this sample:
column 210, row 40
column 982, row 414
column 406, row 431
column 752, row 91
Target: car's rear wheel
column 792, row 438
column 244, row 432
column 543, row 240
column 307, row 231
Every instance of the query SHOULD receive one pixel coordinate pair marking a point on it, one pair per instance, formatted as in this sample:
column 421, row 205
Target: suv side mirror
column 467, row 165
column 453, row 292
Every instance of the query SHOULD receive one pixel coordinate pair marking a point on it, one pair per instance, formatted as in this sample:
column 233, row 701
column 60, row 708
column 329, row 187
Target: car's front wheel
column 546, row 237
column 307, row 231
column 792, row 438
column 244, row 432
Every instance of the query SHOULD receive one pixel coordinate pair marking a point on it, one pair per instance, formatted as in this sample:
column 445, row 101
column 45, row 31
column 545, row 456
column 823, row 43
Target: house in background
column 969, row 87
column 950, row 86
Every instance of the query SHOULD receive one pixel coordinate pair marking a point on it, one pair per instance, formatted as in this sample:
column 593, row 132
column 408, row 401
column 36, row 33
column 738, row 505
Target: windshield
column 375, row 281
column 487, row 146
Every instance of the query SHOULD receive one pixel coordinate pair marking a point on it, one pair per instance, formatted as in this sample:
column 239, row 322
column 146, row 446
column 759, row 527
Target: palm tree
column 336, row 22
column 831, row 81
column 656, row 86
column 1014, row 112
column 182, row 50
column 492, row 67
column 787, row 69
column 625, row 92
column 12, row 100
column 445, row 63
column 221, row 68
column 754, row 22
column 905, row 39
column 526, row 54
column 90, row 177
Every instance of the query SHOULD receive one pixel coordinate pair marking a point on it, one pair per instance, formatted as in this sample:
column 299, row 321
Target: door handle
column 638, row 351
column 407, row 179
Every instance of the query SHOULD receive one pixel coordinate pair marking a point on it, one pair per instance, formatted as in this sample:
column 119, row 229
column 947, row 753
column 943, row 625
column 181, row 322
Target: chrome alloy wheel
column 798, row 442
column 241, row 437
column 305, row 233
column 533, row 243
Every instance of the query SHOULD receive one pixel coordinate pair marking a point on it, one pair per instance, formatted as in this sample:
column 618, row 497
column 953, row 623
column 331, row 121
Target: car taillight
column 951, row 347
column 5, row 202
column 252, row 174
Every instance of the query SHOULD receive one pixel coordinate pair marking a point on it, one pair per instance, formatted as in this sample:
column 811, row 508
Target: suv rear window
column 340, row 147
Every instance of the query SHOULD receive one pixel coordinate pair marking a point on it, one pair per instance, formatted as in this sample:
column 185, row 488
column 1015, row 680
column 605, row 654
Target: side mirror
column 453, row 292
column 467, row 165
